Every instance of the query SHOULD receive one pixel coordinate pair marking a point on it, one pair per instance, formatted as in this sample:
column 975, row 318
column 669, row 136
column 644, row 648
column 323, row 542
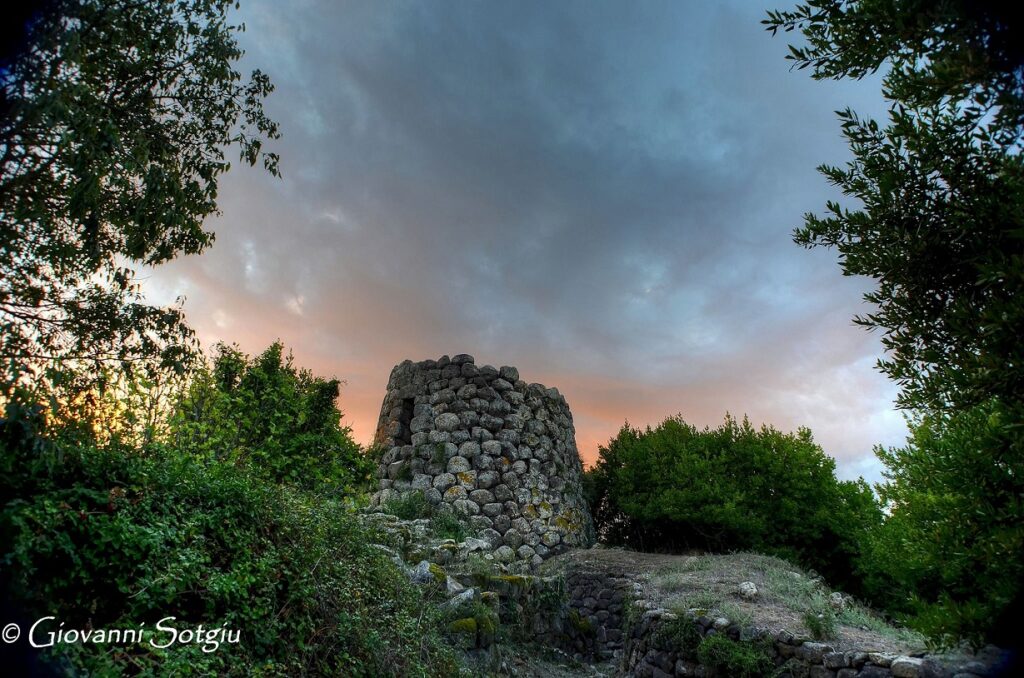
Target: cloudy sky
column 599, row 193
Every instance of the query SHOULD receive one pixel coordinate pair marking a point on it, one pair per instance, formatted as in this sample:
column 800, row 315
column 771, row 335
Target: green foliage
column 820, row 621
column 117, row 117
column 734, row 658
column 730, row 488
column 408, row 506
column 941, row 230
column 950, row 557
column 939, row 226
column 702, row 600
column 113, row 537
column 447, row 524
column 580, row 624
column 681, row 635
column 936, row 51
column 271, row 417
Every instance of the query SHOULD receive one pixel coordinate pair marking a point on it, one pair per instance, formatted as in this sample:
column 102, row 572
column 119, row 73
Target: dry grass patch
column 788, row 597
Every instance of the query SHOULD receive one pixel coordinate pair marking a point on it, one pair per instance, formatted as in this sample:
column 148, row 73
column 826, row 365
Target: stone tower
column 500, row 451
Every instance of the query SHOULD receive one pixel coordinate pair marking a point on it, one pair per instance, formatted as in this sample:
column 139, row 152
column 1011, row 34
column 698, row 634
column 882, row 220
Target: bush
column 447, row 524
column 231, row 514
column 675, row 487
column 115, row 537
column 820, row 621
column 681, row 635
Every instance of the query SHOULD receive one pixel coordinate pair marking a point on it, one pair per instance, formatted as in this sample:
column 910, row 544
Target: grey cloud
column 581, row 189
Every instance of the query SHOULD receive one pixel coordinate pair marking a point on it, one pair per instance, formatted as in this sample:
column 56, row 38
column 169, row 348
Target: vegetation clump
column 735, row 658
column 680, row 634
column 734, row 487
column 223, row 500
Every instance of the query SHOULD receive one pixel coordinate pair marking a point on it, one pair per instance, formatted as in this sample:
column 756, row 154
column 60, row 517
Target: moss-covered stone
column 440, row 576
column 511, row 585
column 466, row 625
column 580, row 623
column 565, row 524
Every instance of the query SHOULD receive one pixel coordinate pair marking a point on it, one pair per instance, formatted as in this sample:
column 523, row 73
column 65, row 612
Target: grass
column 736, row 614
column 863, row 618
column 672, row 582
column 820, row 621
column 800, row 593
column 698, row 563
column 448, row 525
column 708, row 582
column 408, row 506
column 702, row 600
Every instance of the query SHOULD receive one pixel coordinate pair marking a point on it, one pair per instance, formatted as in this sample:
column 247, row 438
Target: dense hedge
column 674, row 487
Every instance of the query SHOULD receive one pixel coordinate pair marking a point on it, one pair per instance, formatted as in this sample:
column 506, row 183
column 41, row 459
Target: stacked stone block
column 496, row 449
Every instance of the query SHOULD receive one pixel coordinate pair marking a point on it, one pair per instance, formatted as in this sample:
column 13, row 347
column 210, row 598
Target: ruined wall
column 500, row 451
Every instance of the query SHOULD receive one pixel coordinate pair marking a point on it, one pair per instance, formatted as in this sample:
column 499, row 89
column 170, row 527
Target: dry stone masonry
column 496, row 449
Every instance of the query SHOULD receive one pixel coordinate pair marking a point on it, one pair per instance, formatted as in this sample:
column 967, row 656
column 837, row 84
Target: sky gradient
column 601, row 194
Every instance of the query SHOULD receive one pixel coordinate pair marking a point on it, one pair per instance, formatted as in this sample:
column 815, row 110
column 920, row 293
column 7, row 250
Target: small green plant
column 671, row 581
column 447, row 524
column 736, row 614
column 820, row 621
column 439, row 456
column 550, row 597
column 480, row 569
column 631, row 614
column 580, row 623
column 680, row 634
column 404, row 471
column 702, row 600
column 697, row 563
column 408, row 506
column 733, row 658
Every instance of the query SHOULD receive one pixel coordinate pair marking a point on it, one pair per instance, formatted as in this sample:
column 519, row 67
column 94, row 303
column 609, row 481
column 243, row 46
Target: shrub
column 232, row 516
column 408, row 506
column 681, row 635
column 820, row 622
column 737, row 659
column 447, row 524
column 675, row 487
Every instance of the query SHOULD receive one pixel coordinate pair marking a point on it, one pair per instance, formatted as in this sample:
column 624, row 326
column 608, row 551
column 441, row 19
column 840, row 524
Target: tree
column 949, row 556
column 267, row 415
column 117, row 115
column 940, row 226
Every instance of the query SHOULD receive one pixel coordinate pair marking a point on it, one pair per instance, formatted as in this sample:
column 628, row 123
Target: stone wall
column 649, row 654
column 496, row 449
column 597, row 602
